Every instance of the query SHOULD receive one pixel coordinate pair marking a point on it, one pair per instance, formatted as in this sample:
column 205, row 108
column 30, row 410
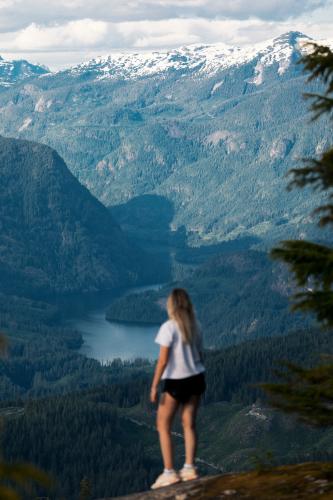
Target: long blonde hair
column 180, row 309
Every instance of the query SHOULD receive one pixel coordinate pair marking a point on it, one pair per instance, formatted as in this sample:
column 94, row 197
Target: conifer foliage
column 309, row 392
column 14, row 476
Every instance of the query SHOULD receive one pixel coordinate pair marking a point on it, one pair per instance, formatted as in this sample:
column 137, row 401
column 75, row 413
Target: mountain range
column 200, row 60
column 211, row 128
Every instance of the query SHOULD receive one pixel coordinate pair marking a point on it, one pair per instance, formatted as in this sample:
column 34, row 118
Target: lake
column 106, row 340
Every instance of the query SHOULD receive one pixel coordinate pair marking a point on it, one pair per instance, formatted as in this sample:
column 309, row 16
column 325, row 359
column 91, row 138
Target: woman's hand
column 153, row 394
column 160, row 366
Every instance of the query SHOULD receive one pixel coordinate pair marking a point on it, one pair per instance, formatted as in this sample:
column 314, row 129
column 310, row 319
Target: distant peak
column 194, row 58
column 43, row 66
column 291, row 37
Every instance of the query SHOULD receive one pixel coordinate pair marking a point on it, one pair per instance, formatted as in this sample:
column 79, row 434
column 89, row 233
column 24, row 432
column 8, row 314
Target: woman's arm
column 200, row 344
column 160, row 366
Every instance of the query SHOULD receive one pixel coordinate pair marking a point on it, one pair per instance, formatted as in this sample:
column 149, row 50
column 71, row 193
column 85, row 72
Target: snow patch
column 280, row 148
column 275, row 151
column 278, row 51
column 321, row 146
column 216, row 87
column 258, row 74
column 25, row 124
column 253, row 326
column 42, row 105
column 284, row 65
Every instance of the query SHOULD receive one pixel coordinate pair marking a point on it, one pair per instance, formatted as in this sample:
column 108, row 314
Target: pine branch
column 307, row 392
column 307, row 259
column 318, row 302
column 319, row 62
column 318, row 173
column 310, row 261
column 23, row 475
column 325, row 219
column 321, row 104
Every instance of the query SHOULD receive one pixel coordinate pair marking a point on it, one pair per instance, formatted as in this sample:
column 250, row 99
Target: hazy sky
column 63, row 32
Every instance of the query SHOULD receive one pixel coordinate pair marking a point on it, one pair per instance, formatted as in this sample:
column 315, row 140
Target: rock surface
column 309, row 480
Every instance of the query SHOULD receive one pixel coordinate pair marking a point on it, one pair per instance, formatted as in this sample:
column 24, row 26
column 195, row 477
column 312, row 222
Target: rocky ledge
column 311, row 481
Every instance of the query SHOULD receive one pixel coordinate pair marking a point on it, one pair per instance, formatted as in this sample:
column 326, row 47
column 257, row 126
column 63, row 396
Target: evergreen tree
column 309, row 392
column 18, row 475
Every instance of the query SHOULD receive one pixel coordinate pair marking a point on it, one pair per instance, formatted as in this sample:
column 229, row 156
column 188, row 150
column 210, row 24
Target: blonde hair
column 180, row 309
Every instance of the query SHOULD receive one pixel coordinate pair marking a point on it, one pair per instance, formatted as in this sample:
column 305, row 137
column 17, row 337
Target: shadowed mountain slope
column 55, row 236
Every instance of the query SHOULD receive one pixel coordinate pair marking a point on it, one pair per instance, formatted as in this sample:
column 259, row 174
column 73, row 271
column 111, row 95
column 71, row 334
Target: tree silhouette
column 308, row 392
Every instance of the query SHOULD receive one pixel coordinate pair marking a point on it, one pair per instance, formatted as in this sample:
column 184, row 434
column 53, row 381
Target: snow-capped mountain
column 15, row 71
column 209, row 129
column 197, row 58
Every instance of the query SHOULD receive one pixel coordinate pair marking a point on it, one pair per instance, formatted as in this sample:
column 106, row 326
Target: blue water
column 106, row 340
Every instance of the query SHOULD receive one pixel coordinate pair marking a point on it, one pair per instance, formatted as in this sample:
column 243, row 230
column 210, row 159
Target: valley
column 123, row 178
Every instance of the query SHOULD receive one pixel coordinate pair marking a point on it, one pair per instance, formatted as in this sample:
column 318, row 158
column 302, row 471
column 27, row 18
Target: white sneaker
column 166, row 479
column 188, row 473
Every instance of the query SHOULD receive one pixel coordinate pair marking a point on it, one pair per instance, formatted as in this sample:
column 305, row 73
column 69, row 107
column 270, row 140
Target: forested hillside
column 90, row 434
column 55, row 236
column 77, row 437
column 87, row 431
column 239, row 295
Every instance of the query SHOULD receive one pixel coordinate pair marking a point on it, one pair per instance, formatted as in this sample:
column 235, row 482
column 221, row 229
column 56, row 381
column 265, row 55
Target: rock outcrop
column 311, row 481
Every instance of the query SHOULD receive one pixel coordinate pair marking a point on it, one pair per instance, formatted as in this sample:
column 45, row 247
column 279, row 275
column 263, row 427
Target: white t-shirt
column 184, row 359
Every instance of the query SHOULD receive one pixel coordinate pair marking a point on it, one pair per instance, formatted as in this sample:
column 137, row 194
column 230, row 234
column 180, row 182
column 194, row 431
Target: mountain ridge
column 55, row 236
column 17, row 70
column 199, row 59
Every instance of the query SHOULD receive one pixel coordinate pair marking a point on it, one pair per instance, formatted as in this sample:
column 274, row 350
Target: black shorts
column 183, row 388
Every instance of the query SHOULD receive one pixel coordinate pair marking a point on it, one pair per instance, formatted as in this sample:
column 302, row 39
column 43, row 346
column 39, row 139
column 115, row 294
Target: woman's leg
column 166, row 411
column 189, row 412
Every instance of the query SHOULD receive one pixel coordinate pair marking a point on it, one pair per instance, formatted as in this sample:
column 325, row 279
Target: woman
column 180, row 366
